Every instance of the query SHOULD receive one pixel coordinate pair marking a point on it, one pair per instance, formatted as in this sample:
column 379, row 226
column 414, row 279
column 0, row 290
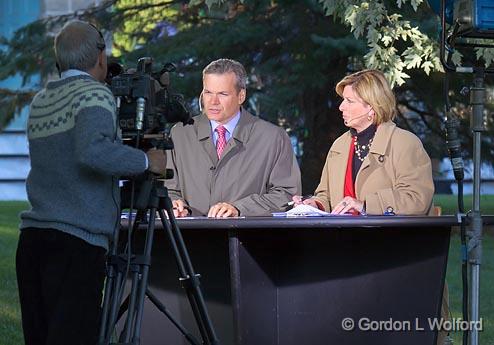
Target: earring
column 369, row 118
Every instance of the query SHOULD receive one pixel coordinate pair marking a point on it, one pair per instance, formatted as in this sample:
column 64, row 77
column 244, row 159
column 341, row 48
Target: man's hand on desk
column 180, row 209
column 223, row 210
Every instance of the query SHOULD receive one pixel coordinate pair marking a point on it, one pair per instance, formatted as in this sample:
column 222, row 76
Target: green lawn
column 10, row 316
column 449, row 203
column 10, row 328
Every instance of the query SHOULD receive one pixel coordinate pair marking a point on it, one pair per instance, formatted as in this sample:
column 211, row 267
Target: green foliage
column 487, row 54
column 395, row 45
column 415, row 3
column 285, row 46
column 140, row 19
column 13, row 102
column 27, row 52
column 294, row 52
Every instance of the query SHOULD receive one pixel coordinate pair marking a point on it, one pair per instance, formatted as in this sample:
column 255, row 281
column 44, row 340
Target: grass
column 10, row 325
column 10, row 316
column 449, row 203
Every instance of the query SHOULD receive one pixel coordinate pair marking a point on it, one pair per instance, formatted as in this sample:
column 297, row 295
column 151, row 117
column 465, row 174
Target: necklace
column 361, row 150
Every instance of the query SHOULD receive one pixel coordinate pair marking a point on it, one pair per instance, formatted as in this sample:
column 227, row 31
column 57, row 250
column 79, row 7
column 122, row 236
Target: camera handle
column 157, row 199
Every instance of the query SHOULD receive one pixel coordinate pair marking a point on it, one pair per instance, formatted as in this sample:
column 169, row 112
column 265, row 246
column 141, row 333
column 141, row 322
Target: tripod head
column 133, row 186
column 135, row 192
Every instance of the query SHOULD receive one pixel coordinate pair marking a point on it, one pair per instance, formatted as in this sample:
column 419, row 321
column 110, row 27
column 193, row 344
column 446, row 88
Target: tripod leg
column 115, row 302
column 144, row 277
column 184, row 277
column 123, row 308
column 103, row 325
column 125, row 336
column 107, row 297
column 131, row 299
column 189, row 278
column 113, row 289
column 163, row 309
column 111, row 285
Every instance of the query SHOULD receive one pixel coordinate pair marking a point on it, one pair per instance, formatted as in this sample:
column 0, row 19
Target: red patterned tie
column 221, row 143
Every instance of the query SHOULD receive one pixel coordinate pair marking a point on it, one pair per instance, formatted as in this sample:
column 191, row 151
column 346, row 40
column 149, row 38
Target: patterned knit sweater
column 76, row 158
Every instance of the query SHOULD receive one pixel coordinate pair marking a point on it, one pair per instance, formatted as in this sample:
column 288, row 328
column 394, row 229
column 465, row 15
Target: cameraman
column 76, row 158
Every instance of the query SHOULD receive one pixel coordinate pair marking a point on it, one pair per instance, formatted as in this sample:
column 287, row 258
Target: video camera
column 145, row 103
column 144, row 106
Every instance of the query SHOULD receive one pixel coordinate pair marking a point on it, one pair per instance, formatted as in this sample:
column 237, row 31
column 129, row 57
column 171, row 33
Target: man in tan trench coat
column 230, row 163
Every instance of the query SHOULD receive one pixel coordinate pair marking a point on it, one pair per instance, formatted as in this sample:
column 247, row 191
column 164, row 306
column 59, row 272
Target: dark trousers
column 60, row 279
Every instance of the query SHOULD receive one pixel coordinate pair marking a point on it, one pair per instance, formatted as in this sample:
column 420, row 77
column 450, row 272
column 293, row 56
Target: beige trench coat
column 396, row 174
column 257, row 172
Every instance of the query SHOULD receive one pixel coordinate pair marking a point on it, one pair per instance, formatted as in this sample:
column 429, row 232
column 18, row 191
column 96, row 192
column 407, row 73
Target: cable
column 454, row 150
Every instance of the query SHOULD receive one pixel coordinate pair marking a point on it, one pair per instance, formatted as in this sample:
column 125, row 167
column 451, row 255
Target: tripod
column 152, row 197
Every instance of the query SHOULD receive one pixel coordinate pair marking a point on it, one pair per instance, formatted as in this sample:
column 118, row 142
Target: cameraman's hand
column 179, row 208
column 157, row 161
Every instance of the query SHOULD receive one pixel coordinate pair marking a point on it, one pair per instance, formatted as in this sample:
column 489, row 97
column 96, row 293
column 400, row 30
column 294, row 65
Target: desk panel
column 293, row 281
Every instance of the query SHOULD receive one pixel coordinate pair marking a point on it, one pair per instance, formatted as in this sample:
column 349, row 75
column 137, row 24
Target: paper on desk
column 125, row 215
column 302, row 210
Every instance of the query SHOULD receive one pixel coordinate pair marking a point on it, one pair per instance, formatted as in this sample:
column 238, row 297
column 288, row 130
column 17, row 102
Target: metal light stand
column 477, row 99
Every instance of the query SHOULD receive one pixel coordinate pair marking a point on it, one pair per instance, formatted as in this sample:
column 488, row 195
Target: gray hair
column 77, row 46
column 222, row 66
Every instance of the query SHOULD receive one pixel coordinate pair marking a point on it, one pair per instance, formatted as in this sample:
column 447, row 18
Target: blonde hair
column 373, row 88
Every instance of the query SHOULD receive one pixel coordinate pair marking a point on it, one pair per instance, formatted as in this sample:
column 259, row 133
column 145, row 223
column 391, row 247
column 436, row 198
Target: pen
column 304, row 197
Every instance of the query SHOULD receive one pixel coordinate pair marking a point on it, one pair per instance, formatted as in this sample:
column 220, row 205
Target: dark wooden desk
column 293, row 280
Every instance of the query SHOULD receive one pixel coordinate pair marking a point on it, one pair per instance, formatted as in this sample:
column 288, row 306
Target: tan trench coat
column 396, row 174
column 257, row 172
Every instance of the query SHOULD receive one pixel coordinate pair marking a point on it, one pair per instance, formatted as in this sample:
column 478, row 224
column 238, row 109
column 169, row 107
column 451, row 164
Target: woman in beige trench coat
column 375, row 167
